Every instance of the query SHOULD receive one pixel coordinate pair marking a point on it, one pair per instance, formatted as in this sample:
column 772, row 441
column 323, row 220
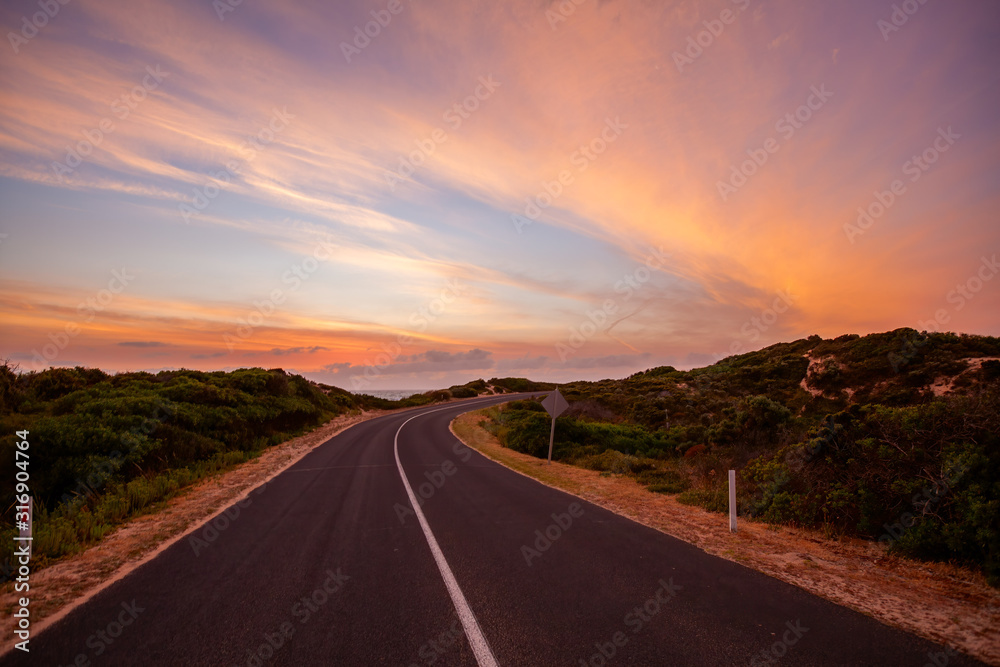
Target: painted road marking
column 481, row 648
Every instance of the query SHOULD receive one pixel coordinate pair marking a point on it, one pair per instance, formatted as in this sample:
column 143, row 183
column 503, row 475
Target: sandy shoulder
column 947, row 604
column 68, row 583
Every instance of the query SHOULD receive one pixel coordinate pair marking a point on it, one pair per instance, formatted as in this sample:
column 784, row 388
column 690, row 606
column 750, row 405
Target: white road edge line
column 481, row 648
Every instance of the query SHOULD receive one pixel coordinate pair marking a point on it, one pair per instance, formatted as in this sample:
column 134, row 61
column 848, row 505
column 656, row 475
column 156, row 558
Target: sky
column 400, row 194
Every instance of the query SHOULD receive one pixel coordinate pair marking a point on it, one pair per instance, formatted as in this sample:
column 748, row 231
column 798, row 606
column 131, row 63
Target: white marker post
column 732, row 501
column 555, row 405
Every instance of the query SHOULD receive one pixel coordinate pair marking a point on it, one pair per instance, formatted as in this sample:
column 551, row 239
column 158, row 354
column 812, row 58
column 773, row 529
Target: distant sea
column 392, row 394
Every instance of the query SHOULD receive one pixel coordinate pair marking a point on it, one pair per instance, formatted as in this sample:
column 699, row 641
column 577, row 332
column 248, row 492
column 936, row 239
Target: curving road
column 337, row 561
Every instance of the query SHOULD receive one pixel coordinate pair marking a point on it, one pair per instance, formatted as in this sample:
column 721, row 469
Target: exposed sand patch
column 945, row 384
column 811, row 372
column 975, row 363
column 944, row 603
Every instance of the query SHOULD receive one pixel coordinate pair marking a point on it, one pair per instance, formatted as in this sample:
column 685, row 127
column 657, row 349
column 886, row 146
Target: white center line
column 480, row 647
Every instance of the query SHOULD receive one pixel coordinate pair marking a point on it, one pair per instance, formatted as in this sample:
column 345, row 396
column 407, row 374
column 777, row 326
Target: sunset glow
column 450, row 190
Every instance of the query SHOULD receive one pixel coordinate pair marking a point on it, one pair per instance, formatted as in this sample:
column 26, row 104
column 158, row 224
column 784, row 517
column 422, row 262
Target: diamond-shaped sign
column 555, row 404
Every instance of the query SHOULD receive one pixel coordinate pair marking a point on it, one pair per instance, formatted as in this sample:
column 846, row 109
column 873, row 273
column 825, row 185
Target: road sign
column 555, row 404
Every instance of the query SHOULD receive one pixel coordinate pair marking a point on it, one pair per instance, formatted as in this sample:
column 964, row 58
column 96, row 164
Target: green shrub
column 849, row 462
column 104, row 448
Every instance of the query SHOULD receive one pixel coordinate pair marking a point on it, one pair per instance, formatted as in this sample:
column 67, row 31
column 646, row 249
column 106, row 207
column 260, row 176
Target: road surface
column 329, row 564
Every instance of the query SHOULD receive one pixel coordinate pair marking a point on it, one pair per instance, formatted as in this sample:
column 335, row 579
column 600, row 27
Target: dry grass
column 944, row 603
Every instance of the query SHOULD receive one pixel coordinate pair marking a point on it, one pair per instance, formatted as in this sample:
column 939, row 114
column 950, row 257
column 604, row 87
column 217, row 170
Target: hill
column 892, row 437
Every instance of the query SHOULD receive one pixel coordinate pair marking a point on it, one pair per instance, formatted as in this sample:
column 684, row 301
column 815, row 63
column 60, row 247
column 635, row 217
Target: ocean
column 392, row 394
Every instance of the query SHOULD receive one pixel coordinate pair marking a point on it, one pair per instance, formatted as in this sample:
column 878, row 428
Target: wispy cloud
column 537, row 140
column 299, row 350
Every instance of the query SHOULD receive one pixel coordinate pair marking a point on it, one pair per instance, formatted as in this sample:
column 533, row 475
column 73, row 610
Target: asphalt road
column 328, row 564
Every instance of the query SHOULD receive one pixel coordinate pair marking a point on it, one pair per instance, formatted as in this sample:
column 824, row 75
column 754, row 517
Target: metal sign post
column 732, row 501
column 555, row 405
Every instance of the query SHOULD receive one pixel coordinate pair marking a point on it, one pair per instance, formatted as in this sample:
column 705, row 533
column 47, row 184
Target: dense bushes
column 140, row 424
column 857, row 445
column 524, row 426
column 923, row 479
column 515, row 385
column 104, row 447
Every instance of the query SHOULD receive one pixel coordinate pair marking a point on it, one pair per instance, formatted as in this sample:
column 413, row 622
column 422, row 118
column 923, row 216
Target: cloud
column 436, row 361
column 337, row 367
column 449, row 358
column 299, row 350
column 655, row 184
column 699, row 359
column 431, row 361
column 610, row 361
column 522, row 363
column 778, row 41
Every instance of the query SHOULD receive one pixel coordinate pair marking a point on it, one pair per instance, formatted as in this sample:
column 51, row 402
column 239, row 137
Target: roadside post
column 732, row 501
column 555, row 405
